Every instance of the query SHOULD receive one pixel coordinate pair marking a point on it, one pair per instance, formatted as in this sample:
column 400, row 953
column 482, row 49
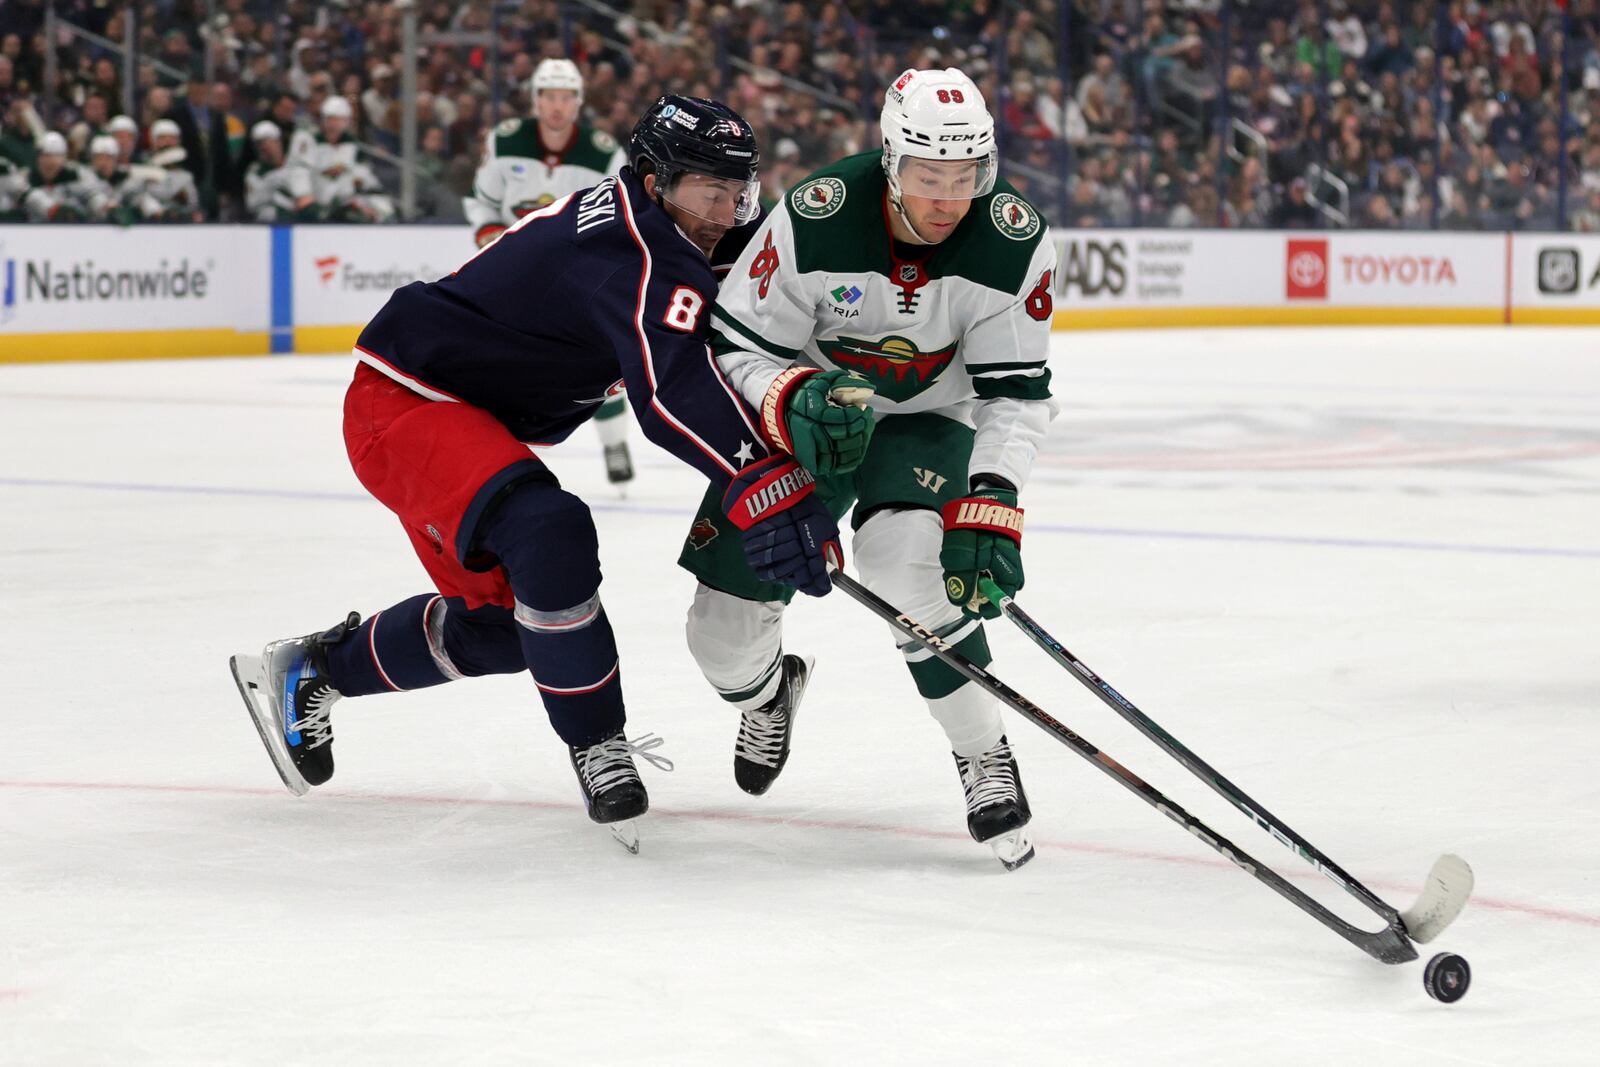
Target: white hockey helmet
column 123, row 124
column 52, row 144
column 336, row 107
column 104, row 145
column 265, row 130
column 938, row 115
column 164, row 128
column 556, row 74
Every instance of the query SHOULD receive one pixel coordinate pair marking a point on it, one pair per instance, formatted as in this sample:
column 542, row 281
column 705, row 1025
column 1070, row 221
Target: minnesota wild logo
column 1013, row 217
column 818, row 198
column 895, row 366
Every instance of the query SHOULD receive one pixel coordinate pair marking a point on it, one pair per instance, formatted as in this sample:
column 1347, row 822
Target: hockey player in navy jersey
column 605, row 287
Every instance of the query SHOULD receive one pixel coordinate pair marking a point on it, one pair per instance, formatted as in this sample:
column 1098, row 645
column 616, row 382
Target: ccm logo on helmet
column 958, row 137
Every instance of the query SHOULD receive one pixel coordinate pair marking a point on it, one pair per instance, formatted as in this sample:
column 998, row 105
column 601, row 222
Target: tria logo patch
column 846, row 294
column 897, row 369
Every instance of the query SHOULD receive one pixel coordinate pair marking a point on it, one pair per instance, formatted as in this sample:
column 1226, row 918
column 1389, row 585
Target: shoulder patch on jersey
column 1013, row 216
column 508, row 127
column 818, row 198
column 604, row 141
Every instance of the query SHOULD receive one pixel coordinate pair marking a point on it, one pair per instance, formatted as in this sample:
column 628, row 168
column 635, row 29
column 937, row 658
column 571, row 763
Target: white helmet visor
column 945, row 179
column 724, row 201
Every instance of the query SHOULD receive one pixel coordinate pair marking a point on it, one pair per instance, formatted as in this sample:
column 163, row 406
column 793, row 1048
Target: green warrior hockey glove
column 982, row 535
column 820, row 418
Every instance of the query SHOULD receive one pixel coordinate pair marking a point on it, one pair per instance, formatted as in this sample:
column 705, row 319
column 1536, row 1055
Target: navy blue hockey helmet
column 691, row 135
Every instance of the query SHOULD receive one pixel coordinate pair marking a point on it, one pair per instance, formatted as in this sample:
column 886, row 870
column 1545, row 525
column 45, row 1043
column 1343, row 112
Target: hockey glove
column 787, row 531
column 820, row 418
column 982, row 535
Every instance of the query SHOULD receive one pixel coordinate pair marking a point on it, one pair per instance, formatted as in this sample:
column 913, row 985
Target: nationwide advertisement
column 83, row 291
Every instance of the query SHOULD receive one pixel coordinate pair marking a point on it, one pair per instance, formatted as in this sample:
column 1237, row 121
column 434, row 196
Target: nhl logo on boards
column 1558, row 271
column 818, row 198
column 1013, row 217
column 1306, row 269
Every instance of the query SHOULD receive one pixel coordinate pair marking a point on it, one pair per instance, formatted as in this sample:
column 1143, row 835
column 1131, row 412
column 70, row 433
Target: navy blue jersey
column 597, row 289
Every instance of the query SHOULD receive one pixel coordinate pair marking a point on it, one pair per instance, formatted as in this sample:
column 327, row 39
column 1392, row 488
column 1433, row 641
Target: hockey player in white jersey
column 531, row 162
column 916, row 269
column 343, row 187
column 54, row 190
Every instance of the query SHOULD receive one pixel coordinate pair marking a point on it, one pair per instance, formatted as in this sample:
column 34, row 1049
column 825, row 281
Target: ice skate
column 997, row 807
column 762, row 747
column 289, row 697
column 612, row 790
column 619, row 463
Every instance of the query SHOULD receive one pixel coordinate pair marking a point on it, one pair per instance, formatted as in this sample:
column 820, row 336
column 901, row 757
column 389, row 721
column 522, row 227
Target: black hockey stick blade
column 1389, row 945
column 1449, row 883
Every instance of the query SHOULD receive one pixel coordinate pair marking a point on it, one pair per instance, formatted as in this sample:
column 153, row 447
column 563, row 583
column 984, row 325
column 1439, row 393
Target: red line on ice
column 1539, row 911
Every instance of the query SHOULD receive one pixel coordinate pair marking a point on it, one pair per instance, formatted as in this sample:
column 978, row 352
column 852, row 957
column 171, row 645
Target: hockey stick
column 1448, row 885
column 1390, row 945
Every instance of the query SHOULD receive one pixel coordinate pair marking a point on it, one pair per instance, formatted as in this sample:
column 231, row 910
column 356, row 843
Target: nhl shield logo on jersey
column 894, row 365
column 702, row 533
column 1013, row 217
column 818, row 198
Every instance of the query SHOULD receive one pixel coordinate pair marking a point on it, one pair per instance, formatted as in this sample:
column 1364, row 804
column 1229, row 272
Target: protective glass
column 724, row 201
column 945, row 179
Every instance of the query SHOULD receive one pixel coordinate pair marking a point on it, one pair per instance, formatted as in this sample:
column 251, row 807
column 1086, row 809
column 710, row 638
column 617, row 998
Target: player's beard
column 704, row 234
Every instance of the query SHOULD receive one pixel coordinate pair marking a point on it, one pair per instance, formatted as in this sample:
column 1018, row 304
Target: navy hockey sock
column 423, row 641
column 545, row 539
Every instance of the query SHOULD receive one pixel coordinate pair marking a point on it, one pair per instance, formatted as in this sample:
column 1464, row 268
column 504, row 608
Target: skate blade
column 1013, row 849
column 250, row 676
column 626, row 833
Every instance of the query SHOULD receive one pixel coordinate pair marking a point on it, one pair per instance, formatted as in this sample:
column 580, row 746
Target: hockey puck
column 1447, row 977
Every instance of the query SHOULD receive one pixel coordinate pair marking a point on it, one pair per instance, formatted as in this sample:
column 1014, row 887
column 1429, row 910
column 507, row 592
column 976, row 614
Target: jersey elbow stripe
column 644, row 344
column 760, row 344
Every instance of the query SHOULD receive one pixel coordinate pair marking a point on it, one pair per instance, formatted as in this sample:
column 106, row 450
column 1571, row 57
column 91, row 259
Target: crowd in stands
column 1249, row 113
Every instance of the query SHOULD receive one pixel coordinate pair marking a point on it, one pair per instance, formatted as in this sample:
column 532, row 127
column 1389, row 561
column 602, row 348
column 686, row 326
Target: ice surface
column 1357, row 570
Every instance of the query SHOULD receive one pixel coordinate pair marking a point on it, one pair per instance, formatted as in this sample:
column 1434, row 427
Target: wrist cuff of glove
column 774, row 426
column 487, row 233
column 984, row 513
column 774, row 485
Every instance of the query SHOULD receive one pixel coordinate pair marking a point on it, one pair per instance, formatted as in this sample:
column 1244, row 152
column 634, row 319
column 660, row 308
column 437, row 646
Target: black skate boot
column 289, row 696
column 619, row 463
column 997, row 807
column 612, row 790
column 762, row 747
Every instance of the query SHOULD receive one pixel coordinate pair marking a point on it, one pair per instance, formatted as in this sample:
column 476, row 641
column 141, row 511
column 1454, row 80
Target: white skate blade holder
column 1012, row 849
column 250, row 675
column 626, row 833
column 1443, row 896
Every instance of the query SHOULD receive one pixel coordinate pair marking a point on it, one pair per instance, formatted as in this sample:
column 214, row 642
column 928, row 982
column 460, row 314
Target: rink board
column 106, row 292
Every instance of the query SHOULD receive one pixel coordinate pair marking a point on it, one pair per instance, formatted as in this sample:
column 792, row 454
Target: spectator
column 1295, row 211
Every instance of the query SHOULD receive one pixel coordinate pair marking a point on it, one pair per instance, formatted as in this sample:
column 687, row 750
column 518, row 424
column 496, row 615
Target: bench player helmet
column 938, row 115
column 690, row 135
column 556, row 74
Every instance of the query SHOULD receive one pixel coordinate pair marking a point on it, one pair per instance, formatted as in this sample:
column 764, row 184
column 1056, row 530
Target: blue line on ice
column 1034, row 528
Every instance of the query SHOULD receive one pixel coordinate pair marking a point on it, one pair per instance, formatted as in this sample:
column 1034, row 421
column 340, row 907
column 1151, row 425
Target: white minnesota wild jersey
column 519, row 174
column 963, row 329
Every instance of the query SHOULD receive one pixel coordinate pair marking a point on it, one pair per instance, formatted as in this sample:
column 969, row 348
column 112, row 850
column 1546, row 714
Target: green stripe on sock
column 936, row 679
column 733, row 696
